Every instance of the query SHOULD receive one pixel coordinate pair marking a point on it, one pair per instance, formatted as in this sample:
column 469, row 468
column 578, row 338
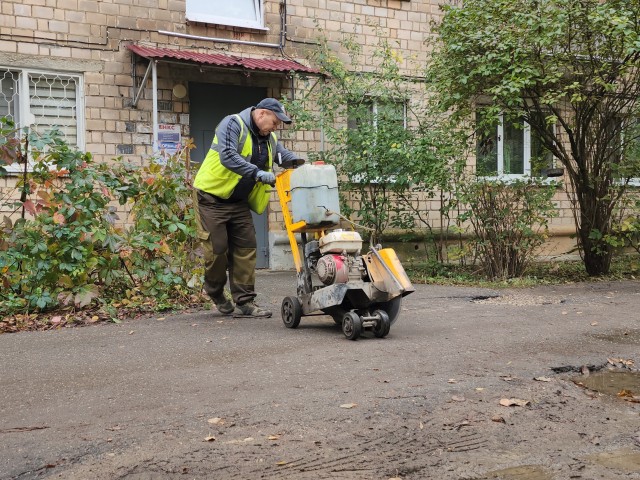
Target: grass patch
column 625, row 267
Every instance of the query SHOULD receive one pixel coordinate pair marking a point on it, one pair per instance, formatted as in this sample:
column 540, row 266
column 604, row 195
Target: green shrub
column 509, row 221
column 60, row 245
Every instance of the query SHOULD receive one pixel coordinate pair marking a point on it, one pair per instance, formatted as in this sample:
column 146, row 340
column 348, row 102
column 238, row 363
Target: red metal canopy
column 220, row 60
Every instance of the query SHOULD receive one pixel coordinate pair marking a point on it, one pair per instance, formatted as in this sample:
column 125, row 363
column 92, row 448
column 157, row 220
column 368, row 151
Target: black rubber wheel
column 336, row 314
column 383, row 325
column 291, row 312
column 351, row 325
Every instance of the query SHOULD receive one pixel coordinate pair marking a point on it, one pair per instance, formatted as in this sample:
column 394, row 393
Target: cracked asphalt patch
column 207, row 396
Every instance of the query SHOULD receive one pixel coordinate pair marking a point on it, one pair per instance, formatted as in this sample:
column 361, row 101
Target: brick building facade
column 116, row 74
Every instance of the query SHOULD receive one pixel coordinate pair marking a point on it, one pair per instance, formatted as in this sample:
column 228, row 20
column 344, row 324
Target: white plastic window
column 235, row 13
column 630, row 146
column 511, row 151
column 391, row 110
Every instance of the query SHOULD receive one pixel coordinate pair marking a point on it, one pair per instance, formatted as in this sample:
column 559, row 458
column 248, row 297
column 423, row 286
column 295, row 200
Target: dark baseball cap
column 276, row 107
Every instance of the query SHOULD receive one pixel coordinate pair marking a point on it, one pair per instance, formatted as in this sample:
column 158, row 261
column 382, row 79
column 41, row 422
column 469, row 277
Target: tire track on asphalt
column 394, row 451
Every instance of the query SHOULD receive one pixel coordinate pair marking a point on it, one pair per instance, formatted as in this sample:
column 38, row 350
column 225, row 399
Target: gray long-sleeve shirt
column 228, row 132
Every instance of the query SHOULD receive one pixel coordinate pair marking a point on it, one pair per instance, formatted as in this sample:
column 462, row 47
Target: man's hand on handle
column 266, row 177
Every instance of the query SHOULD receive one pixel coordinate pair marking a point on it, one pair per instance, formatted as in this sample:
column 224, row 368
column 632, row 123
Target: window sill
column 360, row 179
column 14, row 169
column 516, row 178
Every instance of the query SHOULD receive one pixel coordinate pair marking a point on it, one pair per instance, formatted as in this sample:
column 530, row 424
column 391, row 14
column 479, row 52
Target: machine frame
column 371, row 297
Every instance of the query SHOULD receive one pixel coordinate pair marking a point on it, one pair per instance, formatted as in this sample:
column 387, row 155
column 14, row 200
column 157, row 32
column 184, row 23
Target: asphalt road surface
column 533, row 384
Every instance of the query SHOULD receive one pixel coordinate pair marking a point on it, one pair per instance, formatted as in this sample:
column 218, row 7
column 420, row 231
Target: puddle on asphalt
column 523, row 472
column 627, row 460
column 628, row 335
column 611, row 382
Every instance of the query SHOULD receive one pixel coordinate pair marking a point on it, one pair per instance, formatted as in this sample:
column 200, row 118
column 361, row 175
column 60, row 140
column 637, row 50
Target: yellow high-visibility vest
column 218, row 180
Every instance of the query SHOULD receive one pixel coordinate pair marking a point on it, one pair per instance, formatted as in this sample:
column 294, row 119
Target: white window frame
column 204, row 11
column 374, row 113
column 526, row 158
column 634, row 181
column 23, row 115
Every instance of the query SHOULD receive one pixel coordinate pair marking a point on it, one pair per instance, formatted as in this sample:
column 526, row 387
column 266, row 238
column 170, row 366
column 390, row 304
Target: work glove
column 266, row 177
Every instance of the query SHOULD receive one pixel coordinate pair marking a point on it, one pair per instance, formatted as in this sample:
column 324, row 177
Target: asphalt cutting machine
column 359, row 291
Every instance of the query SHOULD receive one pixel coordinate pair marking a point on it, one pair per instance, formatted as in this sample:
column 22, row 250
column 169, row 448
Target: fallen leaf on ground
column 209, row 438
column 629, row 396
column 625, row 393
column 511, row 402
column 542, row 379
column 216, row 421
column 282, row 462
column 615, row 361
column 274, row 437
column 348, row 405
column 457, row 398
column 498, row 419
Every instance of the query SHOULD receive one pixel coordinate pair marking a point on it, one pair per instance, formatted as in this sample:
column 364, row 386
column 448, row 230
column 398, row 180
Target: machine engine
column 332, row 269
column 336, row 256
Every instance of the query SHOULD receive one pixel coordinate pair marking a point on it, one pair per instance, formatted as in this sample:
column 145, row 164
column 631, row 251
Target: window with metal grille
column 41, row 101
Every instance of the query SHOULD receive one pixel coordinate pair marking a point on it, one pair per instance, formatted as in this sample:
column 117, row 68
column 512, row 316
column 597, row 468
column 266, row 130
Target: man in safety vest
column 234, row 179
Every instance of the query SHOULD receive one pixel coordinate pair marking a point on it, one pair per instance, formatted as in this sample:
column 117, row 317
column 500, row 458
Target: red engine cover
column 332, row 269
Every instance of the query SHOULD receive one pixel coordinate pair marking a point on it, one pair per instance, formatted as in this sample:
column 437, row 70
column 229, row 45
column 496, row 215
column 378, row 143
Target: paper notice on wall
column 169, row 139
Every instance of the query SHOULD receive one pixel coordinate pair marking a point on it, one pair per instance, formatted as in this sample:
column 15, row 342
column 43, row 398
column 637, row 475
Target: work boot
column 223, row 305
column 250, row 309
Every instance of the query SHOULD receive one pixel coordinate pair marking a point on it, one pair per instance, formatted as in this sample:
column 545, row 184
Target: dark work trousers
column 229, row 240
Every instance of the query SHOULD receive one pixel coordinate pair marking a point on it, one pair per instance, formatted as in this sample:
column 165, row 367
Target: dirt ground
column 533, row 384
